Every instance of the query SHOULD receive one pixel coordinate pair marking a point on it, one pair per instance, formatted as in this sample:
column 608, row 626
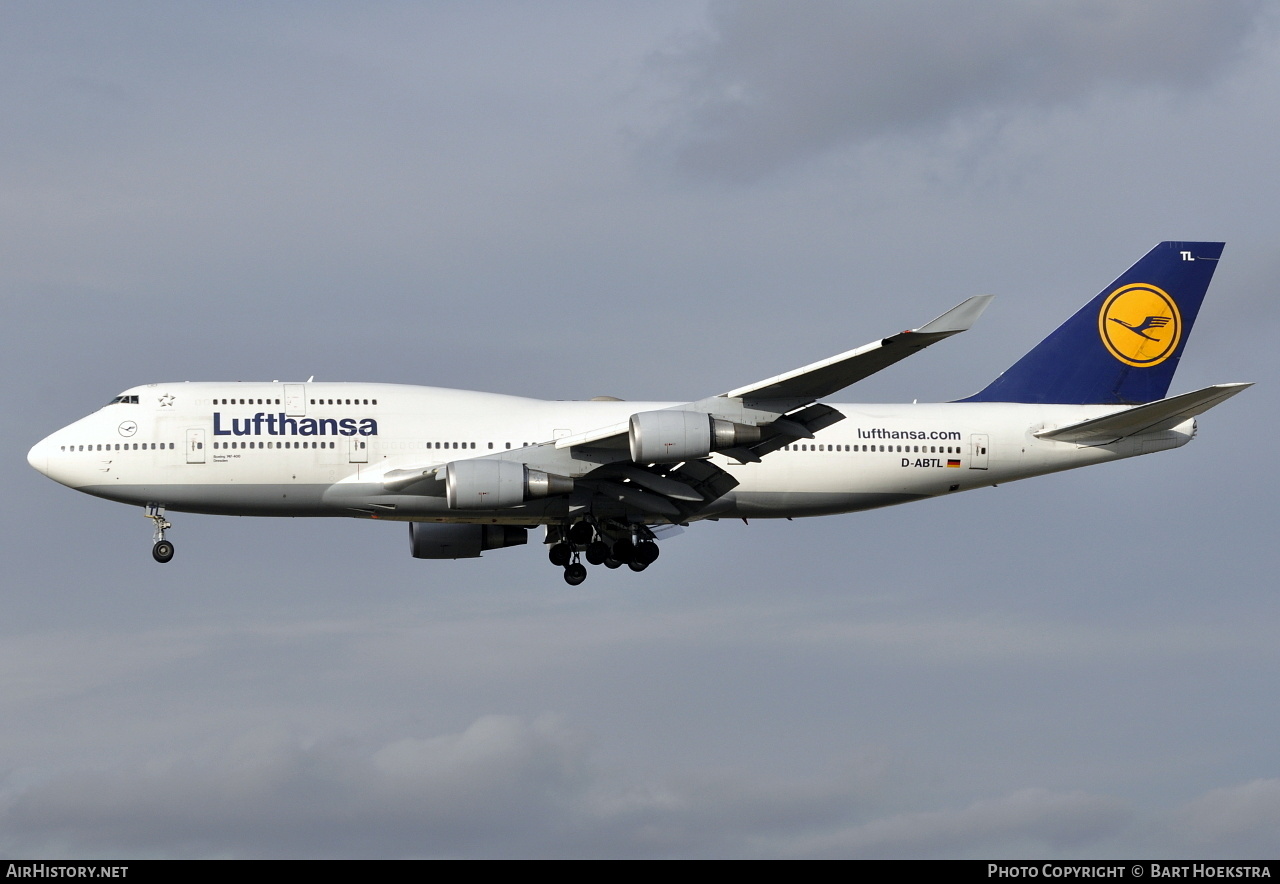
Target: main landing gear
column 636, row 549
column 161, row 550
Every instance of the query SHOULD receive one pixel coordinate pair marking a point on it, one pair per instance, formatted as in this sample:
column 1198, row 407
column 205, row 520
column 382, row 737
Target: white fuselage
column 323, row 449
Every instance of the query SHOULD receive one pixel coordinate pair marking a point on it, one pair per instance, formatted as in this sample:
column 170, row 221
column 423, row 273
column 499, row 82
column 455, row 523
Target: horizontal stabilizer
column 1150, row 418
column 823, row 378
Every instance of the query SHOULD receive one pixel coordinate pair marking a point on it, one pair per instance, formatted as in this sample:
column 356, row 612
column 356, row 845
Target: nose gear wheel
column 161, row 549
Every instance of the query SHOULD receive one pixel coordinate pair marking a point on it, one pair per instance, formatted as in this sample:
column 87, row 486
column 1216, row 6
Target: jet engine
column 493, row 484
column 446, row 541
column 674, row 436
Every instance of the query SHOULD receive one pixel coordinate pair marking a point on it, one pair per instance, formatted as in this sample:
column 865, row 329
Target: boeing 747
column 605, row 478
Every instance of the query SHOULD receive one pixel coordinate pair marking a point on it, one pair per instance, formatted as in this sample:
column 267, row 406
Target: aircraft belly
column 240, row 499
column 788, row 504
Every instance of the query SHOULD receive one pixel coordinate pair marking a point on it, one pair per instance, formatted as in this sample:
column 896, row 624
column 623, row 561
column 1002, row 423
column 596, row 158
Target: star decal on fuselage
column 166, row 400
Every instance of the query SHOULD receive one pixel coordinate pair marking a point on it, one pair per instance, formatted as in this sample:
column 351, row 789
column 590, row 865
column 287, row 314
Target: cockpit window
column 124, row 400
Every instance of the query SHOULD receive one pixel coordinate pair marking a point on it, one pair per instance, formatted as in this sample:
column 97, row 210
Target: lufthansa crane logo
column 128, row 428
column 1140, row 325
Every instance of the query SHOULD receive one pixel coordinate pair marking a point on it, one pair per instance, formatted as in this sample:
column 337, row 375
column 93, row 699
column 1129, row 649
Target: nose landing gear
column 161, row 549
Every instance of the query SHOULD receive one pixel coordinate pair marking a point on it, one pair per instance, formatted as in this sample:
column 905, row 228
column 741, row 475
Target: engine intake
column 494, row 484
column 674, row 436
column 447, row 541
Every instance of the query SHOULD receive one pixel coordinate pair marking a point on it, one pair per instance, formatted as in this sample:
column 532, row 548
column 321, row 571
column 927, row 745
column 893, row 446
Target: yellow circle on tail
column 1140, row 325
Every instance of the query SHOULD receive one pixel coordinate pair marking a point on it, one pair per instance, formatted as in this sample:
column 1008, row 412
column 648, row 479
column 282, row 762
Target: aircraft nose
column 38, row 456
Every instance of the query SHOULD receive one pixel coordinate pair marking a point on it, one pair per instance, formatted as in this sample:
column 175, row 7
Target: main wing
column 654, row 467
column 819, row 379
column 805, row 385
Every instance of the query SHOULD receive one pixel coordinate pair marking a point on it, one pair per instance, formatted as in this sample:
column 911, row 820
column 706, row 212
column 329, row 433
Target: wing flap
column 802, row 424
column 1152, row 417
column 656, row 493
column 667, row 487
column 649, row 504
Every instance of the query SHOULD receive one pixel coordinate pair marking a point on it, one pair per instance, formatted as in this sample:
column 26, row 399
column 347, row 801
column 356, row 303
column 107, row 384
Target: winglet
column 959, row 318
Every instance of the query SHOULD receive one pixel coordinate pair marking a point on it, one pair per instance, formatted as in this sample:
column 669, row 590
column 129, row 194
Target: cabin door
column 359, row 449
column 978, row 455
column 195, row 446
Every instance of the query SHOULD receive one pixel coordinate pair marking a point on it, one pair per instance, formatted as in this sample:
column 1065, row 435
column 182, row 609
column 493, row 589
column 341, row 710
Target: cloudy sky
column 659, row 200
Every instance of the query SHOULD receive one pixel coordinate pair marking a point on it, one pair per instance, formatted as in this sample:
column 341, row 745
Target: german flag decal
column 953, row 462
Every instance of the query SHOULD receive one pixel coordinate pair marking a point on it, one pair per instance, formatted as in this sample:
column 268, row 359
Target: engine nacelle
column 494, row 484
column 446, row 541
column 674, row 436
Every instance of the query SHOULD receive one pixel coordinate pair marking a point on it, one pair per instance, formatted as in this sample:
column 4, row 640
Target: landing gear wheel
column 581, row 533
column 637, row 566
column 559, row 554
column 575, row 574
column 612, row 563
column 597, row 552
column 646, row 552
column 624, row 550
column 162, row 551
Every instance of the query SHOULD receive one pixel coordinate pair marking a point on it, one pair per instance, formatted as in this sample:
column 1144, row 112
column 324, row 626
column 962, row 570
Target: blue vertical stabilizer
column 1123, row 346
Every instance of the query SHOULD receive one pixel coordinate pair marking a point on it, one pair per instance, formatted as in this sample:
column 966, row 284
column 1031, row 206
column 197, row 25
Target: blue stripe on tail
column 1123, row 346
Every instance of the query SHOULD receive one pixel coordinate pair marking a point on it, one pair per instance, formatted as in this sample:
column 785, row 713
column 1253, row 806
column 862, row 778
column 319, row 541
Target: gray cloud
column 498, row 786
column 1237, row 821
column 1037, row 820
column 775, row 83
column 516, row 786
column 505, row 786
